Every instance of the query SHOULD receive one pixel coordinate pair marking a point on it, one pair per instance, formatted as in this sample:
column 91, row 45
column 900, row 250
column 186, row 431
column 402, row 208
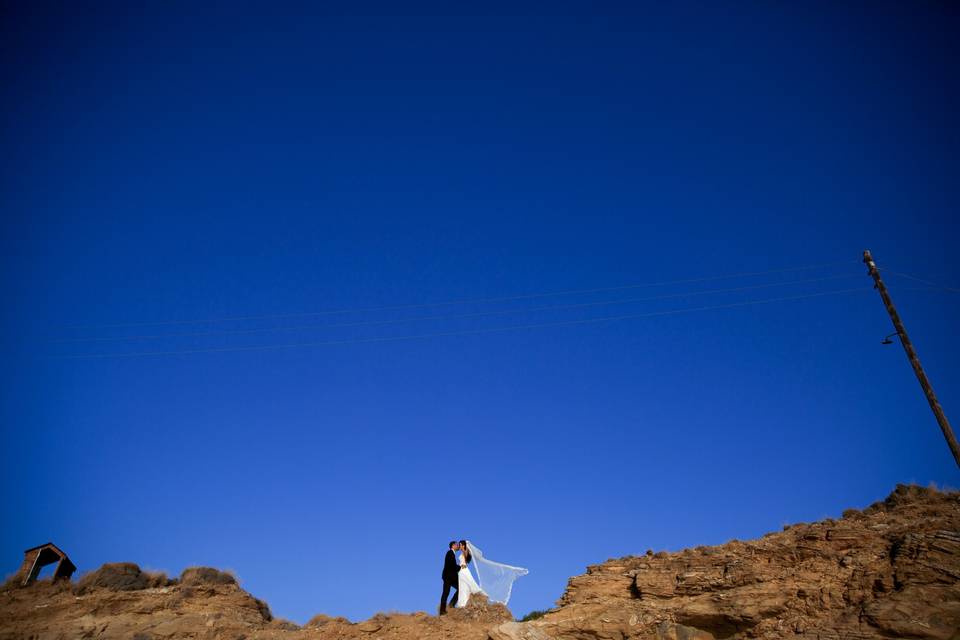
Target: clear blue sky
column 177, row 163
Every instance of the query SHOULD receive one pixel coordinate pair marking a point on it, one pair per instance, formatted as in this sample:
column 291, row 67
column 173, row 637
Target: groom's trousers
column 447, row 585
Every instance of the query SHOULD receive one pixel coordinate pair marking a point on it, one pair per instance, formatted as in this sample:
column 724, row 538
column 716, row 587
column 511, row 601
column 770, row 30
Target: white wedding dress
column 495, row 578
column 467, row 585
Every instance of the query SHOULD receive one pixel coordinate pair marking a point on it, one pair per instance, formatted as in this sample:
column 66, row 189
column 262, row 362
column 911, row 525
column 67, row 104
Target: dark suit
column 451, row 571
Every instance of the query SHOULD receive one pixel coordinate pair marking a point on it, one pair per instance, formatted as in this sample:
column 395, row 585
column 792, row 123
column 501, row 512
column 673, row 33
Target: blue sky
column 224, row 171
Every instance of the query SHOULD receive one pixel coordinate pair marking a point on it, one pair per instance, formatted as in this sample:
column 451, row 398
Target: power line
column 449, row 316
column 932, row 284
column 527, row 296
column 459, row 333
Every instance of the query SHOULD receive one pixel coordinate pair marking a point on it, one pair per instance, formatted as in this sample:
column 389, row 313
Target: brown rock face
column 115, row 602
column 472, row 622
column 517, row 631
column 891, row 571
column 55, row 611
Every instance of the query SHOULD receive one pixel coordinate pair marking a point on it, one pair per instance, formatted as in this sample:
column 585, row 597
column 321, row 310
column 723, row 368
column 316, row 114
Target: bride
column 495, row 579
column 467, row 585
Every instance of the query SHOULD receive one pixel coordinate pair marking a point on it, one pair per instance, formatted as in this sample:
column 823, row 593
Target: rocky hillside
column 889, row 571
column 119, row 601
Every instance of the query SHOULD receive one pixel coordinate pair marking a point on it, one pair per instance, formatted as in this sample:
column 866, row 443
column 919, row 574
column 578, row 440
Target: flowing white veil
column 495, row 578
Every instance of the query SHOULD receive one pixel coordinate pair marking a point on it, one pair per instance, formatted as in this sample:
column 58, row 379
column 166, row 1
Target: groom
column 450, row 579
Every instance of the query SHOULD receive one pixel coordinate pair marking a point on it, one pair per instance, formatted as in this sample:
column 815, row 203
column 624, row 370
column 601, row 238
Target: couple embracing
column 456, row 575
column 494, row 579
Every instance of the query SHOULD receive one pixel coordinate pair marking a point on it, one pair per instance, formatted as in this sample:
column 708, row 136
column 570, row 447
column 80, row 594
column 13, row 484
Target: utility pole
column 913, row 357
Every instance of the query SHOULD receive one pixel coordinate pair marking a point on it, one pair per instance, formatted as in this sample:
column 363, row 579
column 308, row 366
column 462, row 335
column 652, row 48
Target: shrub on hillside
column 12, row 582
column 321, row 620
column 159, row 579
column 906, row 493
column 116, row 576
column 264, row 609
column 534, row 615
column 192, row 576
column 284, row 625
column 49, row 585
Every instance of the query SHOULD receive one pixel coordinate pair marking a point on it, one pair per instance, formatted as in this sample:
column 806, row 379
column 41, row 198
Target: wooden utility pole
column 913, row 358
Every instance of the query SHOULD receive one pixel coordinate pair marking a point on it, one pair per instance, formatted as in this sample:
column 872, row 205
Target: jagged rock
column 669, row 631
column 517, row 631
column 890, row 570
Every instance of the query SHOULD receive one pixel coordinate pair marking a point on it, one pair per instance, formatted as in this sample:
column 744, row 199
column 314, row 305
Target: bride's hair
column 466, row 550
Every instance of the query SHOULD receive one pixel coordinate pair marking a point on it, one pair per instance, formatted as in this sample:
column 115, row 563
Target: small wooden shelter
column 36, row 558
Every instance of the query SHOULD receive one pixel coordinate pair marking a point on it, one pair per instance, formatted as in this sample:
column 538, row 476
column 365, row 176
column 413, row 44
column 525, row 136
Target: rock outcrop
column 889, row 571
column 120, row 602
